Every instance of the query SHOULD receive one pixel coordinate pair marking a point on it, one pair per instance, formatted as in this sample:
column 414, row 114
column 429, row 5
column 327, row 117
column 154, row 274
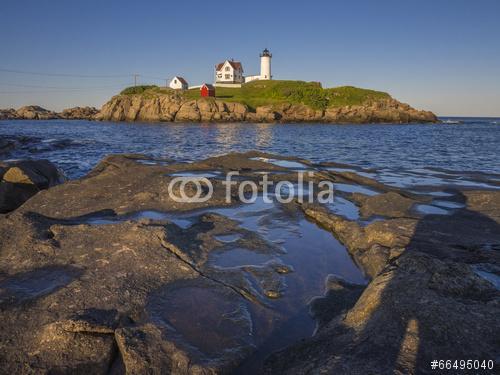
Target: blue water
column 472, row 144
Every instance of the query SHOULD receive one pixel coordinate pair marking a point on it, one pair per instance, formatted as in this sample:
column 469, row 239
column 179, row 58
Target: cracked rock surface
column 108, row 274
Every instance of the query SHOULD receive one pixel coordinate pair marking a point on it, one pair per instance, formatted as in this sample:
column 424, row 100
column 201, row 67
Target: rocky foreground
column 175, row 108
column 91, row 283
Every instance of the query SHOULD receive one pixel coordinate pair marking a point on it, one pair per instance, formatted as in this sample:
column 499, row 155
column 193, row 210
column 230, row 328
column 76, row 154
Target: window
column 227, row 76
column 227, row 68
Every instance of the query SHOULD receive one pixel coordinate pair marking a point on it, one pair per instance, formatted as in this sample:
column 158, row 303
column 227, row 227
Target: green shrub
column 137, row 89
column 259, row 93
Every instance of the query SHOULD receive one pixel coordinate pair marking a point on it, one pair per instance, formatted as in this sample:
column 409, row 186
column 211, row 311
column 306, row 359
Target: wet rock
column 122, row 264
column 133, row 274
column 23, row 179
column 340, row 296
column 272, row 284
column 423, row 293
column 221, row 313
column 398, row 325
column 143, row 349
column 390, row 204
column 91, row 283
column 281, row 268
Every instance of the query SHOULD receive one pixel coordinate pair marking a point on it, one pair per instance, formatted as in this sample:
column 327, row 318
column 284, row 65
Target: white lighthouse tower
column 265, row 64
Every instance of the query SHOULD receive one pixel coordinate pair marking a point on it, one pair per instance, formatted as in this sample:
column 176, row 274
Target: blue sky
column 441, row 55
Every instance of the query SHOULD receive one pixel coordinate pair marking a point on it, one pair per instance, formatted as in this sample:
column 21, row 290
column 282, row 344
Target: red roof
column 235, row 64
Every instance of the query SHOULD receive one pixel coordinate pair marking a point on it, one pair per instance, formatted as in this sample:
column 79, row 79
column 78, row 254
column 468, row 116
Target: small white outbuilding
column 178, row 83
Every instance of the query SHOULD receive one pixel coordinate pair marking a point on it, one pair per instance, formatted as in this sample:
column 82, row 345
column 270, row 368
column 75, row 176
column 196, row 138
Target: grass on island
column 259, row 93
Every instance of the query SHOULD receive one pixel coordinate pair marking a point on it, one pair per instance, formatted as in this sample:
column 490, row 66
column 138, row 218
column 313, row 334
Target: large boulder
column 23, row 179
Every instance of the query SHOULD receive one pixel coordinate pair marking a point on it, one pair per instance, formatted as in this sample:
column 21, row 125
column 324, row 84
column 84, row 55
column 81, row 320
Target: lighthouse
column 265, row 64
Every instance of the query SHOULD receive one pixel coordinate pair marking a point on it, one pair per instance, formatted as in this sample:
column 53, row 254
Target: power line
column 61, row 88
column 157, row 78
column 63, row 74
column 78, row 75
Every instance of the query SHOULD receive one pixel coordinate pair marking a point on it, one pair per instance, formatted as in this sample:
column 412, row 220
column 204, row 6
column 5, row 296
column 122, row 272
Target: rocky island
column 109, row 275
column 258, row 101
column 34, row 112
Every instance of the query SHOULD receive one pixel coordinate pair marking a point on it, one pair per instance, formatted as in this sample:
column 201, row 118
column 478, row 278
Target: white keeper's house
column 178, row 83
column 230, row 73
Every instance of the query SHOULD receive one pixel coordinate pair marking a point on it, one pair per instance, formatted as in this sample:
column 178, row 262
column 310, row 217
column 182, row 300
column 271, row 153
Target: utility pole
column 166, row 82
column 135, row 79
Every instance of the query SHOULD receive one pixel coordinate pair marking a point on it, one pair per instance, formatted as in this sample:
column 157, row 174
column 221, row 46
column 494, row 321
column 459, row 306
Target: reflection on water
column 213, row 321
column 77, row 146
column 349, row 188
column 489, row 272
column 237, row 257
column 264, row 136
column 289, row 276
column 448, row 204
column 313, row 254
column 283, row 163
column 206, row 174
column 428, row 209
column 345, row 208
column 179, row 220
column 228, row 237
column 226, row 138
column 430, row 177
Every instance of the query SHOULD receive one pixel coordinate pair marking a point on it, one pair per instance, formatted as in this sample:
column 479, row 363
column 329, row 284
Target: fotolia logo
column 199, row 189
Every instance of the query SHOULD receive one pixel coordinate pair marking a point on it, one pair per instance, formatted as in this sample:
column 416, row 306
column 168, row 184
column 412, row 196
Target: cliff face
column 174, row 108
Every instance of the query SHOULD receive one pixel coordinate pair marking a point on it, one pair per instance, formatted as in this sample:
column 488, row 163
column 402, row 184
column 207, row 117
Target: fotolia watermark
column 199, row 189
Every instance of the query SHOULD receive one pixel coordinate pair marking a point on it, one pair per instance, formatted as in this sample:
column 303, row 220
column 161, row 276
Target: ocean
column 463, row 148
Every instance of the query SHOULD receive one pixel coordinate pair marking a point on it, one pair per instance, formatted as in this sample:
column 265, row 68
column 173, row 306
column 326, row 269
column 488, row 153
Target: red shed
column 207, row 90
